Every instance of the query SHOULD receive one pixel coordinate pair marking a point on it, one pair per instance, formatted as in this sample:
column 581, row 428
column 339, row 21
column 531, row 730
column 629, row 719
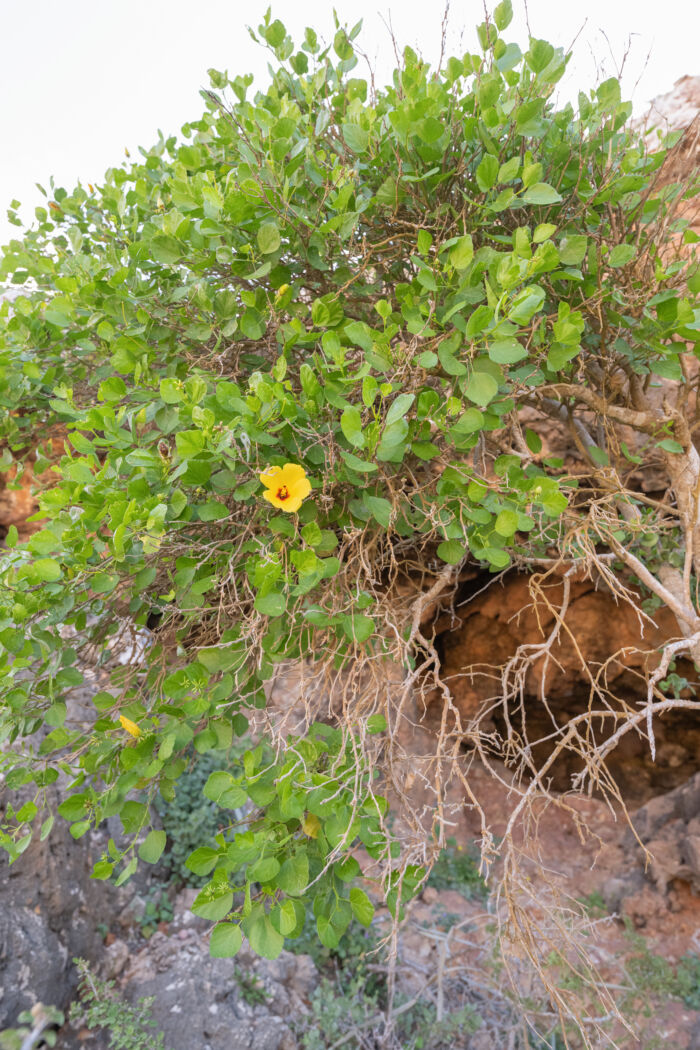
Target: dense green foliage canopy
column 371, row 284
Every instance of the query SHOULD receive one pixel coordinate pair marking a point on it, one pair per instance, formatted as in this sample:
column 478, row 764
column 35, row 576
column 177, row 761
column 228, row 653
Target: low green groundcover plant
column 275, row 370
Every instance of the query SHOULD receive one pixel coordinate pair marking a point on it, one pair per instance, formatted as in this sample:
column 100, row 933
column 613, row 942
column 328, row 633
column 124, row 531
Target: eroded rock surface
column 599, row 631
column 245, row 1003
column 50, row 910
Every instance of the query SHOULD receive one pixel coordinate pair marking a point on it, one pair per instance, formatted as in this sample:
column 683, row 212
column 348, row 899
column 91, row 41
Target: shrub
column 278, row 368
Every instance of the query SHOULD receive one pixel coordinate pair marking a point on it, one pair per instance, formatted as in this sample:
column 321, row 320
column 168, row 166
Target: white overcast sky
column 80, row 80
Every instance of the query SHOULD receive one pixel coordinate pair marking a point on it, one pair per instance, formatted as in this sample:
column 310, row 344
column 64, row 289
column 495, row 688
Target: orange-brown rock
column 18, row 494
column 602, row 639
column 18, row 502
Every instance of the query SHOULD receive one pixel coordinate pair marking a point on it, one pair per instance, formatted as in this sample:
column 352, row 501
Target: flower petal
column 293, row 473
column 300, row 488
column 130, row 726
column 292, row 504
column 270, row 476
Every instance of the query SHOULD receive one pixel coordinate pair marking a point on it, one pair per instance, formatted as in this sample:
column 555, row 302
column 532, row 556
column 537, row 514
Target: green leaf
column 284, row 918
column 102, row 869
column 342, row 46
column 113, row 389
column 213, row 902
column 151, row 848
column 510, row 58
column 399, row 408
column 103, row 583
column 498, row 558
column 220, row 658
column 46, row 569
column 533, row 441
column 171, row 391
column 479, row 320
column 381, row 509
column 358, row 627
column 275, row 33
column 469, row 422
column 46, row 828
column 506, row 523
column 264, row 938
column 449, row 362
column 202, row 861
column 599, row 456
column 311, row 534
column 572, row 249
column 356, row 137
column 165, row 249
column 272, row 604
column 269, row 238
column 462, row 253
column 362, row 906
column 127, row 872
column 293, row 876
column 264, row 870
column 608, row 93
column 225, row 940
column 222, row 788
column 503, row 15
column 362, row 466
column 487, row 172
column 540, row 55
column 481, row 388
column 393, row 442
column 506, row 351
column 327, row 934
column 543, row 232
column 27, row 812
column 670, row 445
column 621, row 255
column 376, row 724
column 451, row 551
column 541, row 193
column 351, row 425
column 526, row 304
column 189, row 443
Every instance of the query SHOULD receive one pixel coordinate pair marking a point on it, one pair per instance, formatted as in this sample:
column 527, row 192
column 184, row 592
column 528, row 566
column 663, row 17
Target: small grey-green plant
column 458, row 869
column 36, row 1029
column 251, row 988
column 99, row 1006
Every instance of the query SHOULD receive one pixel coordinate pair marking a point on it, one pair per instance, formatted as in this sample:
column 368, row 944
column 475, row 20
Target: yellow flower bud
column 130, row 726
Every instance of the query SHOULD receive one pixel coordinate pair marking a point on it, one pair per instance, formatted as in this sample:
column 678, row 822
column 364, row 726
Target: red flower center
column 283, row 492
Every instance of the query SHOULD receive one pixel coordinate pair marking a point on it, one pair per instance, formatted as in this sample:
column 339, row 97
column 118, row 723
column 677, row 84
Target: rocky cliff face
column 679, row 110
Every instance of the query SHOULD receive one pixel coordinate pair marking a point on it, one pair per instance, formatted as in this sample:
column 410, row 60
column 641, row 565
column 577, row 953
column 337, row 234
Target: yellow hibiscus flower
column 286, row 487
column 130, row 726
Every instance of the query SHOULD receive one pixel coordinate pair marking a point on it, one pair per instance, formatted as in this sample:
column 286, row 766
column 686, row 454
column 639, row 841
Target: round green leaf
column 264, row 938
column 481, row 388
column 225, row 940
column 269, row 238
column 361, row 905
column 506, row 351
column 356, row 137
column 151, row 848
column 451, row 551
